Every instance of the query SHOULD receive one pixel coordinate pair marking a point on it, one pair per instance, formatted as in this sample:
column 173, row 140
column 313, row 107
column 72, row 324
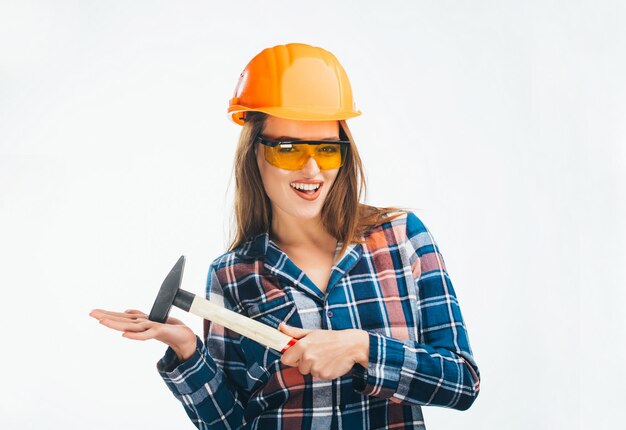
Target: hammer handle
column 255, row 330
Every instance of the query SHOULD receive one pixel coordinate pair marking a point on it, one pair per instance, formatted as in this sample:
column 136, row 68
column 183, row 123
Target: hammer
column 171, row 294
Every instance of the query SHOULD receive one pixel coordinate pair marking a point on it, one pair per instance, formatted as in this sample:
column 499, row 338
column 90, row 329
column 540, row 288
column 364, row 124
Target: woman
column 364, row 289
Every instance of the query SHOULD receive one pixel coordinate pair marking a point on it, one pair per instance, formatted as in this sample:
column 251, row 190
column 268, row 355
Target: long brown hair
column 343, row 215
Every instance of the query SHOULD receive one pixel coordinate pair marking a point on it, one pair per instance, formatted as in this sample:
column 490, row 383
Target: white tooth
column 305, row 187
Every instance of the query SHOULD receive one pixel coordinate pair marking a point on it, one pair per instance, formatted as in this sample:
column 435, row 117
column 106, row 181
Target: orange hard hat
column 294, row 81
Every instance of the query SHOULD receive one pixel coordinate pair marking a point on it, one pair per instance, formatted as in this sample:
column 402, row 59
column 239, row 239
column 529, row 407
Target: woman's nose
column 311, row 168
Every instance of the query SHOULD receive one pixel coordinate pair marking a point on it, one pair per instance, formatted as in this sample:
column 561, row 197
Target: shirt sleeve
column 210, row 384
column 440, row 369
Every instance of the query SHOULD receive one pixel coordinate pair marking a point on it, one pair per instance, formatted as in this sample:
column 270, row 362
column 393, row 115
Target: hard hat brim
column 309, row 114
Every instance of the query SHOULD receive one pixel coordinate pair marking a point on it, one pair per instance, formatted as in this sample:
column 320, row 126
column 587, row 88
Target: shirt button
column 330, row 314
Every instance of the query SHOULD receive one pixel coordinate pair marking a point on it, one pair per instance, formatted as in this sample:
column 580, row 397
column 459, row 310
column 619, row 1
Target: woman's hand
column 326, row 354
column 136, row 325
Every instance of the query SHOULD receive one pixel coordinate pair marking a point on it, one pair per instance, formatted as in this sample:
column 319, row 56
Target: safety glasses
column 294, row 154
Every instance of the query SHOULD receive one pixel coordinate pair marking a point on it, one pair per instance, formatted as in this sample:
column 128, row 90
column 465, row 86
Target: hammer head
column 167, row 293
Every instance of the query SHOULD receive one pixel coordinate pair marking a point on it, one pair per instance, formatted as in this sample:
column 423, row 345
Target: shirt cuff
column 382, row 375
column 188, row 376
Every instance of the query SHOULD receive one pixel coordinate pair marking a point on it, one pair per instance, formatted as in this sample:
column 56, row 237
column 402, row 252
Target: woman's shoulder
column 402, row 221
column 245, row 253
column 240, row 276
column 236, row 273
column 241, row 265
column 397, row 228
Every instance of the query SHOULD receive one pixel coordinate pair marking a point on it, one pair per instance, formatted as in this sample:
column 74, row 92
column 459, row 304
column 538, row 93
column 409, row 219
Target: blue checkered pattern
column 394, row 285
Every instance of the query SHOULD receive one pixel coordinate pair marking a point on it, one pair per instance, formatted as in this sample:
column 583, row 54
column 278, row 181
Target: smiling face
column 287, row 189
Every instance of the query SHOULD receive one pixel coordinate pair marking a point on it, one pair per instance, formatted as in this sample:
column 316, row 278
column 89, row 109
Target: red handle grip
column 291, row 343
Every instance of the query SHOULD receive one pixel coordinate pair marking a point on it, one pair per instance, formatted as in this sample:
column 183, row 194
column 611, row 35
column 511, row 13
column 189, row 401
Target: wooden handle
column 243, row 325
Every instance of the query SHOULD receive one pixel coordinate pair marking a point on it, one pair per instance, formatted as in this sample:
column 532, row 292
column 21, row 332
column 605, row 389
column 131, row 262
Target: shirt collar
column 277, row 263
column 255, row 247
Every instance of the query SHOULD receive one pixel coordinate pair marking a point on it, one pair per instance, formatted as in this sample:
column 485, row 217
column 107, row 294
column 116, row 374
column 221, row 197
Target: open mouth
column 306, row 191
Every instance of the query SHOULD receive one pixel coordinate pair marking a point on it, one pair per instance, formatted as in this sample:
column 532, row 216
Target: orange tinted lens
column 329, row 155
column 295, row 156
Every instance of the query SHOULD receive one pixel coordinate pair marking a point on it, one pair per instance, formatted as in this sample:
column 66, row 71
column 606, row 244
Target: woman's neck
column 291, row 232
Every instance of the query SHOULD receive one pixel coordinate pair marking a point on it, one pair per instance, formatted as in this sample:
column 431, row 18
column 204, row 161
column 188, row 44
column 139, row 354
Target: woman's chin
column 307, row 211
column 307, row 214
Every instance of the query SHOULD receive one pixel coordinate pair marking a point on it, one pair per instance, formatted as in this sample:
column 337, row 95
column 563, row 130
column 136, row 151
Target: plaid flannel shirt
column 394, row 286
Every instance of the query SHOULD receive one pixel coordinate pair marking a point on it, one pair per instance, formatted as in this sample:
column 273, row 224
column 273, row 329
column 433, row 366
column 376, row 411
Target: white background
column 502, row 124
